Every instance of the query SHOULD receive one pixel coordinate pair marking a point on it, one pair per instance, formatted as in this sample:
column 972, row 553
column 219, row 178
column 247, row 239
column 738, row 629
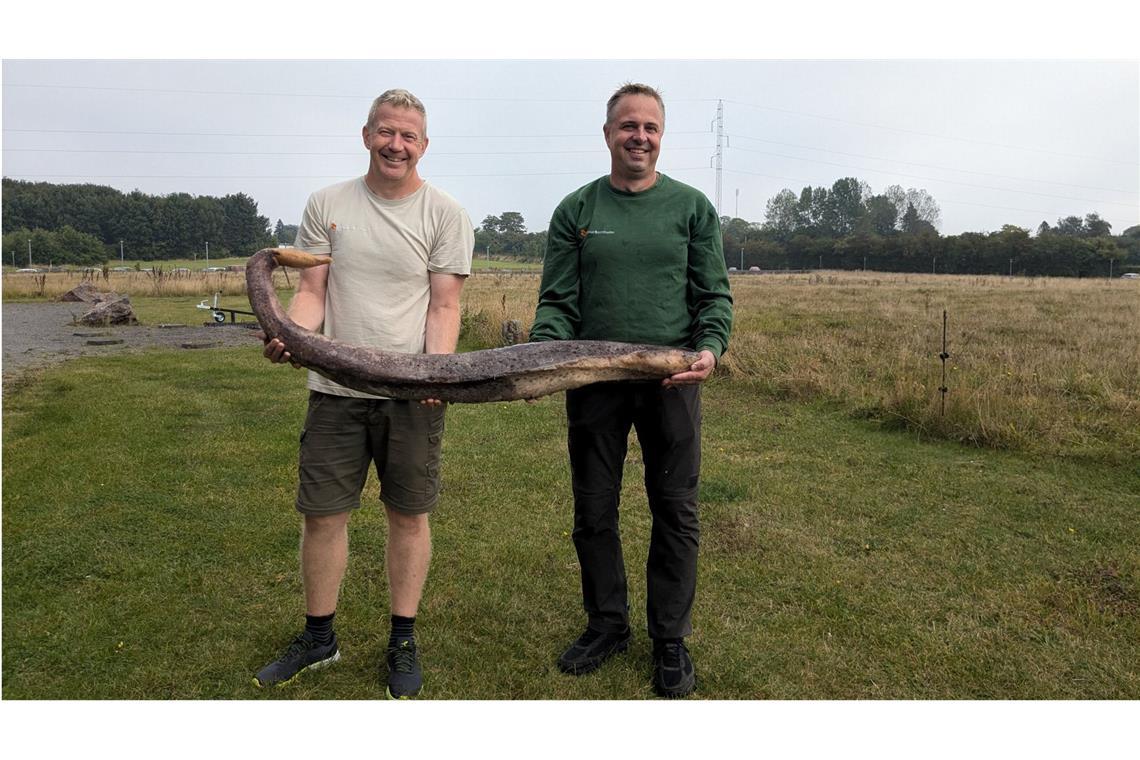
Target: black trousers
column 668, row 425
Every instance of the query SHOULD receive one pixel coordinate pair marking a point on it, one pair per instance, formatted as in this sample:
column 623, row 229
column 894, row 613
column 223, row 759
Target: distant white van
column 1125, row 276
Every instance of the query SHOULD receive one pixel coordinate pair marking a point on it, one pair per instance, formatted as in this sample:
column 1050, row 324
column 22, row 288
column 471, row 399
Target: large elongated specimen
column 529, row 370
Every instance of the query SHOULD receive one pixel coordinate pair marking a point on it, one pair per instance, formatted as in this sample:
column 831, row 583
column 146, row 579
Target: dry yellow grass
column 1045, row 364
column 161, row 282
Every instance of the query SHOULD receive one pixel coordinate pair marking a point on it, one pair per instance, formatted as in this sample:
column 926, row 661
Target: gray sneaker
column 302, row 654
column 405, row 677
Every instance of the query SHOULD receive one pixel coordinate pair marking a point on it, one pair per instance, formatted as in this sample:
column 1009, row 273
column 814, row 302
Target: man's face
column 395, row 142
column 633, row 135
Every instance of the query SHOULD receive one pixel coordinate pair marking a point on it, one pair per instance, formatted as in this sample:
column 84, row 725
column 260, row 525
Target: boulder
column 84, row 292
column 116, row 311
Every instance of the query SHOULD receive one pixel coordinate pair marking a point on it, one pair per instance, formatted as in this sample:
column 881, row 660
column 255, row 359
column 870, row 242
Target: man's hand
column 430, row 402
column 275, row 351
column 698, row 371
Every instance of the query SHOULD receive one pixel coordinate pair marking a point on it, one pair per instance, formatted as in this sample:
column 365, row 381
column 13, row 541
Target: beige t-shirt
column 382, row 252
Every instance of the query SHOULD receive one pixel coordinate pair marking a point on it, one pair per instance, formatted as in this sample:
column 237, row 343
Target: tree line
column 150, row 227
column 847, row 226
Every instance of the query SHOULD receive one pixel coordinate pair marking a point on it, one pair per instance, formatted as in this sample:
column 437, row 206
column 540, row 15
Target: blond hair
column 398, row 98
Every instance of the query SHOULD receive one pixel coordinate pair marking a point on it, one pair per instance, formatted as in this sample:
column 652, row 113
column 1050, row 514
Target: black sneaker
column 302, row 654
column 405, row 678
column 592, row 649
column 673, row 673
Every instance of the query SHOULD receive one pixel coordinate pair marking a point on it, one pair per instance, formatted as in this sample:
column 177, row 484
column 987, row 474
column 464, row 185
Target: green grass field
column 150, row 551
column 855, row 542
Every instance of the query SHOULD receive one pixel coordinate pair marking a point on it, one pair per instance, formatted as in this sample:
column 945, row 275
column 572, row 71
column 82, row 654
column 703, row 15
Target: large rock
column 117, row 311
column 84, row 292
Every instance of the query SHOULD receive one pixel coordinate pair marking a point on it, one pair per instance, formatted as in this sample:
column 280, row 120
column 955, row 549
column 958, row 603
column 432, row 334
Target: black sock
column 320, row 628
column 403, row 629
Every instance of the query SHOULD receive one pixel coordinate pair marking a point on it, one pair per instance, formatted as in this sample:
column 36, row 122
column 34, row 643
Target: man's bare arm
column 442, row 332
column 306, row 309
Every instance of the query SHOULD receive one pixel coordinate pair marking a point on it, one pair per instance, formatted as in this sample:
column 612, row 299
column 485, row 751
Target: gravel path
column 40, row 334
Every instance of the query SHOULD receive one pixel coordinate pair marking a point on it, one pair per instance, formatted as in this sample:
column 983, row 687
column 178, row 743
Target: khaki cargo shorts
column 344, row 435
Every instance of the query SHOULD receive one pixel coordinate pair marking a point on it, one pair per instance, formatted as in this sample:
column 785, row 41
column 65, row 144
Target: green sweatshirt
column 642, row 267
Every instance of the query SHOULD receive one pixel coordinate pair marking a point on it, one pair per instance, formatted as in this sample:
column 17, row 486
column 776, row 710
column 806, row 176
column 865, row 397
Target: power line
column 357, row 96
column 940, row 200
column 931, row 166
column 341, row 135
column 935, row 179
column 1002, row 208
column 275, row 177
column 315, row 153
column 326, row 95
column 928, row 134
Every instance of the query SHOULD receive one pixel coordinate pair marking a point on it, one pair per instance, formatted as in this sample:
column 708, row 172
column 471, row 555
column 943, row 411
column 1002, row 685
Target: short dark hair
column 633, row 88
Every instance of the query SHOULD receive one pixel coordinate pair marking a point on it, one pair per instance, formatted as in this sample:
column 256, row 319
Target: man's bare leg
column 324, row 557
column 408, row 556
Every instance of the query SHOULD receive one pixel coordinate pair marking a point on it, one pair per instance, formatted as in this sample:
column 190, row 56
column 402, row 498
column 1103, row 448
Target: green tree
column 285, row 233
column 1070, row 226
column 782, row 215
column 1094, row 226
column 16, row 247
column 135, row 225
column 76, row 247
column 914, row 224
column 881, row 216
column 53, row 247
column 512, row 222
column 822, row 212
column 243, row 229
column 504, row 235
column 149, row 226
column 845, row 205
column 924, row 204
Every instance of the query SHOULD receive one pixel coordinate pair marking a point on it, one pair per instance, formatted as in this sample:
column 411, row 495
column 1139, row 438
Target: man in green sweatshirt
column 636, row 256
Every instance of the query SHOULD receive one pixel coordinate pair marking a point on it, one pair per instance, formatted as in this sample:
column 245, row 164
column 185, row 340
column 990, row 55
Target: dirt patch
column 1107, row 588
column 41, row 334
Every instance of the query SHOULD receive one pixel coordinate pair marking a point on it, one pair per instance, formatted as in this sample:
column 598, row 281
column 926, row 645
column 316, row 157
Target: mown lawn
column 150, row 551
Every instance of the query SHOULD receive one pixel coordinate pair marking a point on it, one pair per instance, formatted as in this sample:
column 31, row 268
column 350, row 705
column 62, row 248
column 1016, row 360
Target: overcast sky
column 994, row 142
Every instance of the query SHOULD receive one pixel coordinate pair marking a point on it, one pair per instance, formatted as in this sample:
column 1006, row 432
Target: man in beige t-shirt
column 400, row 250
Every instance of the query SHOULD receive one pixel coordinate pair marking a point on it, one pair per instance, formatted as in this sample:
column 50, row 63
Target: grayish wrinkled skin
column 524, row 371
